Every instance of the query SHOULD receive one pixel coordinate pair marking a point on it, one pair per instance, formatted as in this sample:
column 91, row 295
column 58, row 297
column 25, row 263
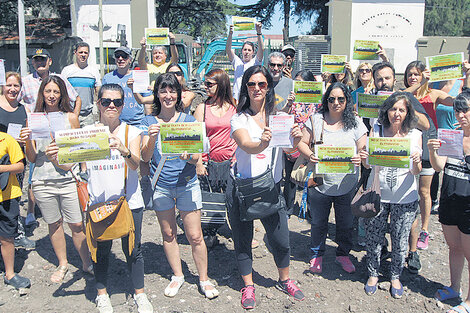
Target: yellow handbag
column 110, row 220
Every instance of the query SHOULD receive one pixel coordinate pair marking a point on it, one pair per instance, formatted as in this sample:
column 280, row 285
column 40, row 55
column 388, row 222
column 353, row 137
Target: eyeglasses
column 106, row 102
column 365, row 70
column 274, row 65
column 179, row 73
column 261, row 85
column 341, row 100
column 121, row 55
column 209, row 84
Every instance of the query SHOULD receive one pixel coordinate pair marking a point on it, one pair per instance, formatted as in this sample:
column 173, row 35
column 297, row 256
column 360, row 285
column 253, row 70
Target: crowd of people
column 237, row 127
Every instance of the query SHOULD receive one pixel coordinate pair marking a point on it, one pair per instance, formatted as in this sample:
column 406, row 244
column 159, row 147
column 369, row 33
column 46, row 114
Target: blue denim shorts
column 186, row 198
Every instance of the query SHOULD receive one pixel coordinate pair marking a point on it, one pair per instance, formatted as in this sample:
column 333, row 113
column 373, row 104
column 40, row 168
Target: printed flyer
column 390, row 152
column 2, row 72
column 369, row 105
column 445, row 67
column 81, row 145
column 177, row 138
column 281, row 126
column 365, row 50
column 44, row 126
column 141, row 81
column 452, row 142
column 243, row 23
column 157, row 36
column 333, row 64
column 334, row 160
column 308, row 92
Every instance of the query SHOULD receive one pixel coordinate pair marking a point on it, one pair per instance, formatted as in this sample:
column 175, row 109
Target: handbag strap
column 315, row 142
column 126, row 143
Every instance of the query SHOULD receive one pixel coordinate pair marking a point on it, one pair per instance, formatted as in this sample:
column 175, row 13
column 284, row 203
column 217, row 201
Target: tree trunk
column 285, row 31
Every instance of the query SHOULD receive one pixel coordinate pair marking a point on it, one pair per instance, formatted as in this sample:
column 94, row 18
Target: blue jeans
column 320, row 206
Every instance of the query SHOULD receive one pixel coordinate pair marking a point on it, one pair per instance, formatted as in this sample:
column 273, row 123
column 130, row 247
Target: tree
column 303, row 9
column 197, row 18
column 447, row 18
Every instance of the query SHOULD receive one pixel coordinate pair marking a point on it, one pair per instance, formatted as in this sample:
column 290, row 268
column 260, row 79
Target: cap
column 288, row 47
column 41, row 53
column 126, row 50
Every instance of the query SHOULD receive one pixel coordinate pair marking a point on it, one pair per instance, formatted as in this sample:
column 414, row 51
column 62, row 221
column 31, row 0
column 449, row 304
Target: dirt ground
column 331, row 291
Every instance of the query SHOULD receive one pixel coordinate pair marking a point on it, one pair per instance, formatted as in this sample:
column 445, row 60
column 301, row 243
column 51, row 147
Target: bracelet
column 127, row 156
column 259, row 34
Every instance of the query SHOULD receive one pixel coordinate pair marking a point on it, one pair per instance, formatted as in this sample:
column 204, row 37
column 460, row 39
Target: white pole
column 22, row 39
column 100, row 28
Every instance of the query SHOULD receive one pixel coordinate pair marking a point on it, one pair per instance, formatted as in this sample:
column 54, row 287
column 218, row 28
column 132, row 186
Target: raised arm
column 466, row 70
column 228, row 45
column 443, row 98
column 437, row 162
column 260, row 52
column 423, row 122
column 142, row 52
column 173, row 51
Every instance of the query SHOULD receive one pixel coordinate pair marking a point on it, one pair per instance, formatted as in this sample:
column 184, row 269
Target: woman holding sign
column 249, row 129
column 53, row 185
column 175, row 185
column 399, row 196
column 454, row 203
column 334, row 125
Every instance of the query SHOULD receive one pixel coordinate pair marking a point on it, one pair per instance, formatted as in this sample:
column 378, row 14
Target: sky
column 278, row 22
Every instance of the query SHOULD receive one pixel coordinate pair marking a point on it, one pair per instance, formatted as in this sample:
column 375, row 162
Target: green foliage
column 447, row 18
column 197, row 18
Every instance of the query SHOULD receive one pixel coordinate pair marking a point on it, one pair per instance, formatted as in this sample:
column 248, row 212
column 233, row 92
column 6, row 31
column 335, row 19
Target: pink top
column 218, row 130
column 428, row 105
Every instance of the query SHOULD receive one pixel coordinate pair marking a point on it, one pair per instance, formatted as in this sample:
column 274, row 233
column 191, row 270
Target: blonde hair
column 357, row 81
column 8, row 75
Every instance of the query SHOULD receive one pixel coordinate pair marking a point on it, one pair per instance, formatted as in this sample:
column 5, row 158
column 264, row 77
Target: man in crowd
column 289, row 53
column 282, row 85
column 248, row 58
column 85, row 79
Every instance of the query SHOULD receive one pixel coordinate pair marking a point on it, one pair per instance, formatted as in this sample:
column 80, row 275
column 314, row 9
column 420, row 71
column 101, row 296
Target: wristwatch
column 127, row 156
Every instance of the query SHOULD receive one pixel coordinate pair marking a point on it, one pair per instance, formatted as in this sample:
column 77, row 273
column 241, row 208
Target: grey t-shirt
column 338, row 184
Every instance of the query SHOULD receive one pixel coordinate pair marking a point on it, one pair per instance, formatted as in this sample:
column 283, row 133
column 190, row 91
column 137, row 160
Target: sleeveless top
column 222, row 146
column 456, row 180
column 428, row 105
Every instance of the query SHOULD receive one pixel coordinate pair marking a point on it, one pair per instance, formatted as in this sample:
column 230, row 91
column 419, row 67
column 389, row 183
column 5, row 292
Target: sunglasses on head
column 106, row 102
column 209, row 84
column 341, row 100
column 179, row 73
column 365, row 70
column 261, row 85
column 121, row 55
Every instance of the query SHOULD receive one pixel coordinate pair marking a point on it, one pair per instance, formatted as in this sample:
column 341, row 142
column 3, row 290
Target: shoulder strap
column 126, row 139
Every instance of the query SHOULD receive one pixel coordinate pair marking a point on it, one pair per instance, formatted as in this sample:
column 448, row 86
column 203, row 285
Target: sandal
column 172, row 291
column 466, row 308
column 446, row 293
column 209, row 293
column 59, row 274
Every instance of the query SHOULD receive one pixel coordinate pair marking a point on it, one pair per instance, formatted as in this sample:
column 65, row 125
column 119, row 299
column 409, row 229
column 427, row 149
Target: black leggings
column 135, row 262
column 276, row 228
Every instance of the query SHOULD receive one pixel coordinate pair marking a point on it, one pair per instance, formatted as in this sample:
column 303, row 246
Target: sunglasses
column 341, row 100
column 107, row 102
column 121, row 55
column 261, row 85
column 274, row 65
column 365, row 70
column 179, row 73
column 289, row 54
column 209, row 84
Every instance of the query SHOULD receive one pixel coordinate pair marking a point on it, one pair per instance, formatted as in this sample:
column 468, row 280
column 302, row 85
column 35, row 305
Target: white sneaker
column 103, row 303
column 172, row 291
column 143, row 303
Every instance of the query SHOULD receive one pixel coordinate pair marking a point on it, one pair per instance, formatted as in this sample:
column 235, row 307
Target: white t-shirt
column 106, row 177
column 398, row 185
column 238, row 69
column 251, row 165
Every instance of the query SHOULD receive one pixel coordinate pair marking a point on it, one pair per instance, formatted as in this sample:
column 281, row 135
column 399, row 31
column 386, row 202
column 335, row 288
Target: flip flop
column 446, row 293
column 459, row 310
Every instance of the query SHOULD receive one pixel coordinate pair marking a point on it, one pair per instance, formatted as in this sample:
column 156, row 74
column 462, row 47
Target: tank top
column 456, row 180
column 218, row 131
column 428, row 105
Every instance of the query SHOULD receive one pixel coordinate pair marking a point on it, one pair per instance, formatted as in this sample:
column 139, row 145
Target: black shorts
column 9, row 212
column 455, row 211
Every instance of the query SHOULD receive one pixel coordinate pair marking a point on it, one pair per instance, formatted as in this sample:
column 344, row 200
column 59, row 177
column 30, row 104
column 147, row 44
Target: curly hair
column 348, row 118
column 64, row 102
column 410, row 121
column 163, row 81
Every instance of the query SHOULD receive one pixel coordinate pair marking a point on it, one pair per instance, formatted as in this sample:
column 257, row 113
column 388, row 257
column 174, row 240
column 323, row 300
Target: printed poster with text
column 333, row 64
column 157, row 36
column 365, row 50
column 308, row 92
column 369, row 105
column 334, row 160
column 445, row 67
column 241, row 23
column 177, row 138
column 81, row 145
column 451, row 142
column 390, row 152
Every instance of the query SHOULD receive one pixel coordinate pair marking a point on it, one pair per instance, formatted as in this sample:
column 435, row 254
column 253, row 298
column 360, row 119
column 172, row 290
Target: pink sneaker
column 423, row 240
column 315, row 265
column 248, row 297
column 345, row 263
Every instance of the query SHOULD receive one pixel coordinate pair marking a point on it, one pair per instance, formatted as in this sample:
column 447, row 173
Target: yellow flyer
column 177, row 138
column 243, row 23
column 81, row 145
column 365, row 50
column 333, row 64
column 445, row 67
column 157, row 36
